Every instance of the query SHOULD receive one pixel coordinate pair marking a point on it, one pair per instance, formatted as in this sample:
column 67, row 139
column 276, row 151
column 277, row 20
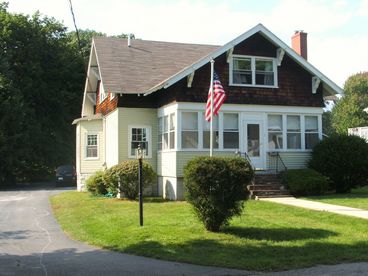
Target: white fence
column 359, row 131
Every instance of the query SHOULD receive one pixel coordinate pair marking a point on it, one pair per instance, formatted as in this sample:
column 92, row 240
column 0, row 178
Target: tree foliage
column 41, row 84
column 348, row 111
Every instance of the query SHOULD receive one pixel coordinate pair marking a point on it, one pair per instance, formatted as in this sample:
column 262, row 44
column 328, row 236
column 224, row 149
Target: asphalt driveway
column 32, row 243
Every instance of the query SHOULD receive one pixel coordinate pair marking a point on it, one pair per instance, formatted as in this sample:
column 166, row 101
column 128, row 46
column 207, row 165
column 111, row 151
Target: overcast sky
column 337, row 30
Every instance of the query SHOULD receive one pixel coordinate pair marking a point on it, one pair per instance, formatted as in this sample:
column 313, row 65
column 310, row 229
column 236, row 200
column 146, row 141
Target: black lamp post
column 140, row 153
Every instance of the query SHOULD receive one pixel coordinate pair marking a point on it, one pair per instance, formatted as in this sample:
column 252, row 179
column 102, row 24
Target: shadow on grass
column 278, row 234
column 260, row 256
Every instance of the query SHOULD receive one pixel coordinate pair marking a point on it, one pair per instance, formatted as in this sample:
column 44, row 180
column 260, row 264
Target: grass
column 267, row 237
column 358, row 198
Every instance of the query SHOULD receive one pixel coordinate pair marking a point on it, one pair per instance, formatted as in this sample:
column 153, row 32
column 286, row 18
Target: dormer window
column 253, row 71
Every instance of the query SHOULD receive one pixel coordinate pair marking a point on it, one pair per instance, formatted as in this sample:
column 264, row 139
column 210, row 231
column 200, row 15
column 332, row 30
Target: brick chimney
column 299, row 43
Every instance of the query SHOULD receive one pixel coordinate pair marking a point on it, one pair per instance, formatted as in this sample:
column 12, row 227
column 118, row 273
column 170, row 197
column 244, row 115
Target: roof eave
column 331, row 86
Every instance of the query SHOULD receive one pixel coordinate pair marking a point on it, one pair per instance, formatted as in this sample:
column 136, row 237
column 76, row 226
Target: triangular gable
column 330, row 86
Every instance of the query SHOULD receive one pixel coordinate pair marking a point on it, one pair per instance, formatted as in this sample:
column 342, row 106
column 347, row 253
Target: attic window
column 253, row 71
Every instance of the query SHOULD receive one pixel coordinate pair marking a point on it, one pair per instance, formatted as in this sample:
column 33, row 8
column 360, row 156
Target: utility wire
column 77, row 33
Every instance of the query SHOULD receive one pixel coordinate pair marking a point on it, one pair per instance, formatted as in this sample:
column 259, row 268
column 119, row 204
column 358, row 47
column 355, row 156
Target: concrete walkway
column 319, row 206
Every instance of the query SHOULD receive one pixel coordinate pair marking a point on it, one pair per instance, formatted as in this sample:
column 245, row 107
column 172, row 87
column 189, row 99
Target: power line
column 76, row 31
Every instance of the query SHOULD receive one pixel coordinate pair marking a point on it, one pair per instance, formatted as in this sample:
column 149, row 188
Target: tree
column 348, row 111
column 41, row 92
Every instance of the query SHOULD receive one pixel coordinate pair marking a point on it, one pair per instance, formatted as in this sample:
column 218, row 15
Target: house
column 154, row 94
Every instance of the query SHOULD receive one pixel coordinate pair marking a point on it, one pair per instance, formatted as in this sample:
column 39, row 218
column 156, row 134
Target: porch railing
column 276, row 162
column 246, row 156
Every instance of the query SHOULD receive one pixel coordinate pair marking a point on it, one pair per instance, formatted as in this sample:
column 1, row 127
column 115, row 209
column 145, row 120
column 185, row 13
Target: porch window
column 293, row 132
column 166, row 133
column 275, row 139
column 160, row 137
column 231, row 130
column 206, row 132
column 92, row 146
column 189, row 133
column 311, row 131
column 139, row 135
column 172, row 131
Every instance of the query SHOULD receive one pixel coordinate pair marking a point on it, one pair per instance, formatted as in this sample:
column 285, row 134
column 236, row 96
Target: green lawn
column 268, row 236
column 358, row 198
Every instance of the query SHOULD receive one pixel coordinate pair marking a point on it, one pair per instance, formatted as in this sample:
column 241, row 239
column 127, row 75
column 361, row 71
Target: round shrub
column 306, row 182
column 216, row 188
column 127, row 173
column 96, row 183
column 344, row 160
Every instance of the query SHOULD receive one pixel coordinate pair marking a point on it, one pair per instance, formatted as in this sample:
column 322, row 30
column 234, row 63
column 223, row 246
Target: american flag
column 218, row 97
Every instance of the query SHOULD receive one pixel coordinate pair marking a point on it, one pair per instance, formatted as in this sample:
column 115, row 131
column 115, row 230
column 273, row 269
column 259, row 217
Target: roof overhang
column 93, row 117
column 329, row 85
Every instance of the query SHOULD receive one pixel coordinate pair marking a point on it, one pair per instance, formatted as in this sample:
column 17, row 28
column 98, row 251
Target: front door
column 254, row 143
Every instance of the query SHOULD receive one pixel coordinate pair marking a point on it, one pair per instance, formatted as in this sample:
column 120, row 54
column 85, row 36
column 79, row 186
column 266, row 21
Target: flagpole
column 211, row 122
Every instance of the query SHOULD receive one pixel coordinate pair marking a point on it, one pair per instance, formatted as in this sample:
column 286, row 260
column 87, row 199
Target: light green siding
column 292, row 160
column 137, row 117
column 91, row 127
column 183, row 157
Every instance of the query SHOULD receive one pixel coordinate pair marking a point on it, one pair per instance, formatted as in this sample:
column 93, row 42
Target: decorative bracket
column 190, row 79
column 280, row 55
column 315, row 83
column 229, row 54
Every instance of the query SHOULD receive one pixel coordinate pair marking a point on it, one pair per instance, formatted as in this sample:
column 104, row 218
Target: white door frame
column 248, row 118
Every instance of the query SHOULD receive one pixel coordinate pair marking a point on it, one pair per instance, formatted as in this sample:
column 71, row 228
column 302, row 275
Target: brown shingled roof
column 145, row 64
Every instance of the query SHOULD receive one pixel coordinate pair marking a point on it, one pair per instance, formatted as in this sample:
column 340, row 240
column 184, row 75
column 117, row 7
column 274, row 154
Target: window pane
column 264, row 78
column 92, row 140
column 91, row 151
column 293, row 123
column 311, row 123
column 242, row 64
column 264, row 65
column 172, row 140
column 293, row 141
column 274, row 122
column 189, row 139
column 253, row 140
column 242, row 77
column 166, row 123
column 189, row 121
column 275, row 140
column 231, row 140
column 311, row 139
column 206, row 139
column 206, row 125
column 231, row 121
column 172, row 121
column 166, row 141
column 160, row 125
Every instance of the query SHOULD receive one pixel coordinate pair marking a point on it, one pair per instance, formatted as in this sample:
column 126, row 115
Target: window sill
column 92, row 158
column 250, row 85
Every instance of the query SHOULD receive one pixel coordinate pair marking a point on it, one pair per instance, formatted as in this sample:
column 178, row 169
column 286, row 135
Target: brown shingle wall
column 295, row 84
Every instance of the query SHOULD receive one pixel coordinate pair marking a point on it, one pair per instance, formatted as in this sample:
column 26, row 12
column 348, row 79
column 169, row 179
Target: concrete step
column 262, row 187
column 270, row 196
column 269, row 192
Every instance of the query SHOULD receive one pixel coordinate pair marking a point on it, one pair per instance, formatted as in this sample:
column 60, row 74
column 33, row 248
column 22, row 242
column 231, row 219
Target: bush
column 344, row 160
column 306, row 182
column 96, row 183
column 127, row 173
column 217, row 187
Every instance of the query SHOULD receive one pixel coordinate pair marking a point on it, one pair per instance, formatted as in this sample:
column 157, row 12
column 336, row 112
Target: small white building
column 359, row 131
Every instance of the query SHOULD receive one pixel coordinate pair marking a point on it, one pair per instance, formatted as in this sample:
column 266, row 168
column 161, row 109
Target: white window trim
column 86, row 145
column 102, row 92
column 112, row 96
column 253, row 58
column 302, row 131
column 222, row 131
column 149, row 140
column 161, row 116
